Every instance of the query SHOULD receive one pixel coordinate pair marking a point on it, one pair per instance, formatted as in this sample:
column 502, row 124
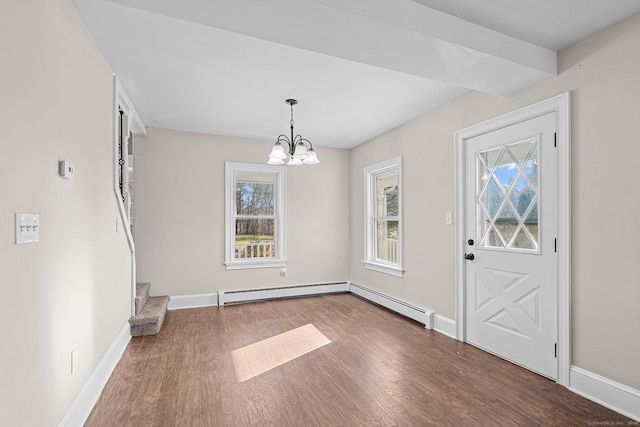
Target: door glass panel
column 507, row 196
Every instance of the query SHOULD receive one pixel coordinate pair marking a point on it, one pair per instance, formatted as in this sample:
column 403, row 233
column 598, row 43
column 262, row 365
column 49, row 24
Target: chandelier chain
column 291, row 122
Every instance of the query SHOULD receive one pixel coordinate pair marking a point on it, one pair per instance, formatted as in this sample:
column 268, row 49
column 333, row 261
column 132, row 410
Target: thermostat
column 65, row 169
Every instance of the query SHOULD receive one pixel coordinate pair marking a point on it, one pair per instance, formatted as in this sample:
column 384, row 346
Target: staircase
column 150, row 312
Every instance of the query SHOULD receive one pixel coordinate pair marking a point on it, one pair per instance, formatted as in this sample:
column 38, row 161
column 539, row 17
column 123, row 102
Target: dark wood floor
column 379, row 370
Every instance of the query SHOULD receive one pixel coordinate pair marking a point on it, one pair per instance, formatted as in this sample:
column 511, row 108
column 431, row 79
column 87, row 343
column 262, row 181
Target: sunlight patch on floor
column 259, row 357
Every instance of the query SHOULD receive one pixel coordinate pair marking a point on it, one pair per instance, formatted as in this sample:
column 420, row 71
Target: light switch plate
column 27, row 228
column 448, row 218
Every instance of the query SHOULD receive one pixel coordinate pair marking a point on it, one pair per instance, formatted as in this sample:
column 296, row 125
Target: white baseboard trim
column 444, row 325
column 418, row 314
column 81, row 408
column 193, row 301
column 615, row 396
column 246, row 295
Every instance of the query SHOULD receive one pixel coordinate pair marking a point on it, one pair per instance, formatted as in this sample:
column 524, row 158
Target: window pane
column 387, row 240
column 255, row 238
column 255, row 194
column 387, row 194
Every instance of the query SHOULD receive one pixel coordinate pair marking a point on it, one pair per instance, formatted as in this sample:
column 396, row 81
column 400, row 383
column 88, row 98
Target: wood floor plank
column 380, row 369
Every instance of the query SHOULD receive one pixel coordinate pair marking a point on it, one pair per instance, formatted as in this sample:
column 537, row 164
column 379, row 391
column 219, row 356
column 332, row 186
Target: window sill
column 243, row 265
column 383, row 268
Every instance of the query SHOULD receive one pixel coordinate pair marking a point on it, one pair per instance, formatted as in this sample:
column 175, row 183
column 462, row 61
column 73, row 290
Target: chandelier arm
column 283, row 138
column 290, row 146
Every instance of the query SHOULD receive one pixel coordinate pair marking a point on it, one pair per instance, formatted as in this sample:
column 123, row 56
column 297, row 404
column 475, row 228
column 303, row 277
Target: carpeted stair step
column 142, row 295
column 149, row 320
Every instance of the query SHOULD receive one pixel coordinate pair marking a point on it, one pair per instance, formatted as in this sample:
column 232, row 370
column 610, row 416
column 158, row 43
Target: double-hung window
column 255, row 217
column 383, row 217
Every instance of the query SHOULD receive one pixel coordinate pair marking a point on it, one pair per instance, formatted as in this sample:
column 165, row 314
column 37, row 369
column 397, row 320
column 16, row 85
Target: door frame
column 560, row 105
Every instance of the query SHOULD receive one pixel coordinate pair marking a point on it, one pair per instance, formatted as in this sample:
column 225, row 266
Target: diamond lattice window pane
column 533, row 232
column 531, row 224
column 508, row 196
column 506, row 174
column 523, row 150
column 522, row 241
column 493, row 239
column 495, row 197
column 532, row 218
column 522, row 195
column 506, row 214
column 531, row 170
column 506, row 223
column 507, row 230
column 492, row 158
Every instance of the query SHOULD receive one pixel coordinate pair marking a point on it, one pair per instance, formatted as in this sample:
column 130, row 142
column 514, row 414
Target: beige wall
column 602, row 73
column 180, row 215
column 71, row 290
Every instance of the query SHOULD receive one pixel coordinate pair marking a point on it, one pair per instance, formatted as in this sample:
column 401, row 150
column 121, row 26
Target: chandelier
column 297, row 148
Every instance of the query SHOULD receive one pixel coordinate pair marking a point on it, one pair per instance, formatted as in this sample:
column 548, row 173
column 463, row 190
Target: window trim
column 370, row 174
column 231, row 169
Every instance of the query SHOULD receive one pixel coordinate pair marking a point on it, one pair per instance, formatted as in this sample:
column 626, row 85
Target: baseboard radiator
column 411, row 311
column 249, row 295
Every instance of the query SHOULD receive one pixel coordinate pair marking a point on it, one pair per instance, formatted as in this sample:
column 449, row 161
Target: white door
column 511, row 229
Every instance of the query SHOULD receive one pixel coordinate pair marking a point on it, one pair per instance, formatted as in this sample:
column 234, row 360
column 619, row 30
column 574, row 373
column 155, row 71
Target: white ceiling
column 357, row 67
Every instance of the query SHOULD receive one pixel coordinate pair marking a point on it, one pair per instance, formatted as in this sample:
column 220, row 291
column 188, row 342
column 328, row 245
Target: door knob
column 470, row 257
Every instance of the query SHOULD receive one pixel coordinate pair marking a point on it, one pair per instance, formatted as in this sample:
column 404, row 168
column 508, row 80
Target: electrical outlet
column 283, row 272
column 74, row 361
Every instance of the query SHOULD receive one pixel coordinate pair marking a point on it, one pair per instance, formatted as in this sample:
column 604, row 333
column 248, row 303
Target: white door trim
column 560, row 106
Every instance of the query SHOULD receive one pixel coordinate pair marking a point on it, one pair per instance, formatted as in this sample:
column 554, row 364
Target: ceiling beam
column 398, row 35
